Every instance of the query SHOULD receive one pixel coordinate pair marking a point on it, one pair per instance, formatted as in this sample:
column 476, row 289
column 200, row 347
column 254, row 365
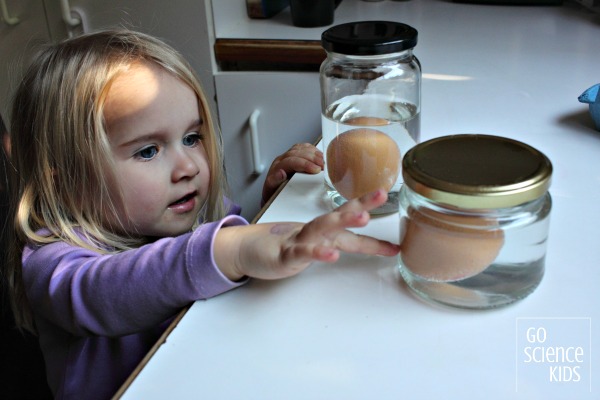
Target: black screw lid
column 369, row 38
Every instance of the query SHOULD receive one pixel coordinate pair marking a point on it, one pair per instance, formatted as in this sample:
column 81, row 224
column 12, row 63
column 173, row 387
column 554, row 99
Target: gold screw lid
column 477, row 171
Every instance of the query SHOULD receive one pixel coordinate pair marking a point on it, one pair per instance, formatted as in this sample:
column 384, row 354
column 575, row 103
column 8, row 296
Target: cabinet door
column 18, row 42
column 183, row 24
column 289, row 112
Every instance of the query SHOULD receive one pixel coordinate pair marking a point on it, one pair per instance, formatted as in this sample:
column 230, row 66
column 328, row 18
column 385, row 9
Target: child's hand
column 303, row 157
column 279, row 250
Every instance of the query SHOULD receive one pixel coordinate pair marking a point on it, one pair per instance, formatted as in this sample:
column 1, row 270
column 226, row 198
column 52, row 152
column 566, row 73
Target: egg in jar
column 474, row 219
column 362, row 160
column 367, row 121
column 443, row 247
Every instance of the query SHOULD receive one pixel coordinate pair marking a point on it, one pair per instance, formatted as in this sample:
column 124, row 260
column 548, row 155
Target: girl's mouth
column 183, row 199
column 184, row 204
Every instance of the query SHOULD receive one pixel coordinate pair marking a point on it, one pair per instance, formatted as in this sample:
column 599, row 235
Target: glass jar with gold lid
column 474, row 219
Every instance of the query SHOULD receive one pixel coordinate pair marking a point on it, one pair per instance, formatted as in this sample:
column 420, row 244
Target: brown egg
column 367, row 121
column 447, row 248
column 361, row 161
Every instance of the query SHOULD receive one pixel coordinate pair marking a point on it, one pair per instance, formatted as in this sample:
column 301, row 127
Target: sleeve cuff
column 210, row 280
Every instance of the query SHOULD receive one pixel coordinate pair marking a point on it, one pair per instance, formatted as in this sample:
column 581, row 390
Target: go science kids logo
column 554, row 353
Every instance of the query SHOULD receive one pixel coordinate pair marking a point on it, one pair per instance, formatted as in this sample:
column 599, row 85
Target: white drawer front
column 289, row 112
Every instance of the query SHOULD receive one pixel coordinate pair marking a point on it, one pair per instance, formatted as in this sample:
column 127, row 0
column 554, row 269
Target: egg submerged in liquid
column 447, row 248
column 362, row 160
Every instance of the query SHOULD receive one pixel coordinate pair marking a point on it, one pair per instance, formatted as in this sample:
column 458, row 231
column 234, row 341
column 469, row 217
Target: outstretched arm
column 279, row 250
column 302, row 157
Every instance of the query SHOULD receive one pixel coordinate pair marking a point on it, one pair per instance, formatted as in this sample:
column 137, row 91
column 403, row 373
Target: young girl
column 121, row 218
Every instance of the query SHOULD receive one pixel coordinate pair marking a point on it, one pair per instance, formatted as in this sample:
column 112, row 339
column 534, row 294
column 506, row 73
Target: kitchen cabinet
column 266, row 69
column 285, row 108
column 288, row 102
column 182, row 23
column 22, row 28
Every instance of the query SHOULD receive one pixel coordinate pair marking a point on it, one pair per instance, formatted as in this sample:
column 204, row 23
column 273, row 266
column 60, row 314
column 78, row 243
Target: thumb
column 272, row 183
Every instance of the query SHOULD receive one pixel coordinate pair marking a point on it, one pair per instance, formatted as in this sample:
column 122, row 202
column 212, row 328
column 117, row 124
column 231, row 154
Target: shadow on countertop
column 580, row 121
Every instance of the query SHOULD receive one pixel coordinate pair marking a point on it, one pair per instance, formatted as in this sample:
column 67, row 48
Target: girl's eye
column 147, row 153
column 192, row 139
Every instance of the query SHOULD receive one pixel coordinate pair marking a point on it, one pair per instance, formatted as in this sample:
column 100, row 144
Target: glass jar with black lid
column 371, row 107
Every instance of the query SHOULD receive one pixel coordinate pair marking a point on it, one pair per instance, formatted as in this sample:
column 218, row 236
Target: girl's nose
column 185, row 166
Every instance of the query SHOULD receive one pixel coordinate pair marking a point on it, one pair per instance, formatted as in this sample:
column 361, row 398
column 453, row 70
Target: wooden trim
column 268, row 203
column 270, row 51
column 150, row 354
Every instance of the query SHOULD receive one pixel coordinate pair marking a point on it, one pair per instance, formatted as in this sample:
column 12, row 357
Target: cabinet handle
column 6, row 15
column 258, row 166
column 66, row 14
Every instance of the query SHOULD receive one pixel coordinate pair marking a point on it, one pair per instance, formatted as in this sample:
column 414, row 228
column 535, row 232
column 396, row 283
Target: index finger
column 367, row 202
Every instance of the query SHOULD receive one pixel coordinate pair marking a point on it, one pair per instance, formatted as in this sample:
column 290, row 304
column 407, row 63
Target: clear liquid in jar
column 400, row 121
column 513, row 275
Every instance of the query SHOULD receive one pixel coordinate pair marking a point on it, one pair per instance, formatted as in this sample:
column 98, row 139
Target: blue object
column 592, row 98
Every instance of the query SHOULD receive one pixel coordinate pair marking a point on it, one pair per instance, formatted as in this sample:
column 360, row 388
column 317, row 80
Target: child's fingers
column 329, row 225
column 271, row 184
column 300, row 255
column 330, row 230
column 349, row 242
column 353, row 214
column 367, row 202
column 299, row 152
column 346, row 241
column 353, row 243
column 299, row 164
column 306, row 149
column 275, row 179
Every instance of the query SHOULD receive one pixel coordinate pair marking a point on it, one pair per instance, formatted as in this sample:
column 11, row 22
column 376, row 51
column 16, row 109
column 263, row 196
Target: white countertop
column 353, row 330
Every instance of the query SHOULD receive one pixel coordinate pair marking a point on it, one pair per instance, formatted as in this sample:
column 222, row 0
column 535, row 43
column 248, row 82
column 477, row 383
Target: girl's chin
column 171, row 231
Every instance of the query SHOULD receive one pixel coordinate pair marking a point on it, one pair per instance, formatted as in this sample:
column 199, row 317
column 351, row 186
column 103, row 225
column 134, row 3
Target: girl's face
column 161, row 169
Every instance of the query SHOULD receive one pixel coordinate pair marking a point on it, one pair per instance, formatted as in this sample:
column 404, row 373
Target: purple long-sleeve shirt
column 98, row 315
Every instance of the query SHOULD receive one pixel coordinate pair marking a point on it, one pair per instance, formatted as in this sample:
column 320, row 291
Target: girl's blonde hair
column 60, row 148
